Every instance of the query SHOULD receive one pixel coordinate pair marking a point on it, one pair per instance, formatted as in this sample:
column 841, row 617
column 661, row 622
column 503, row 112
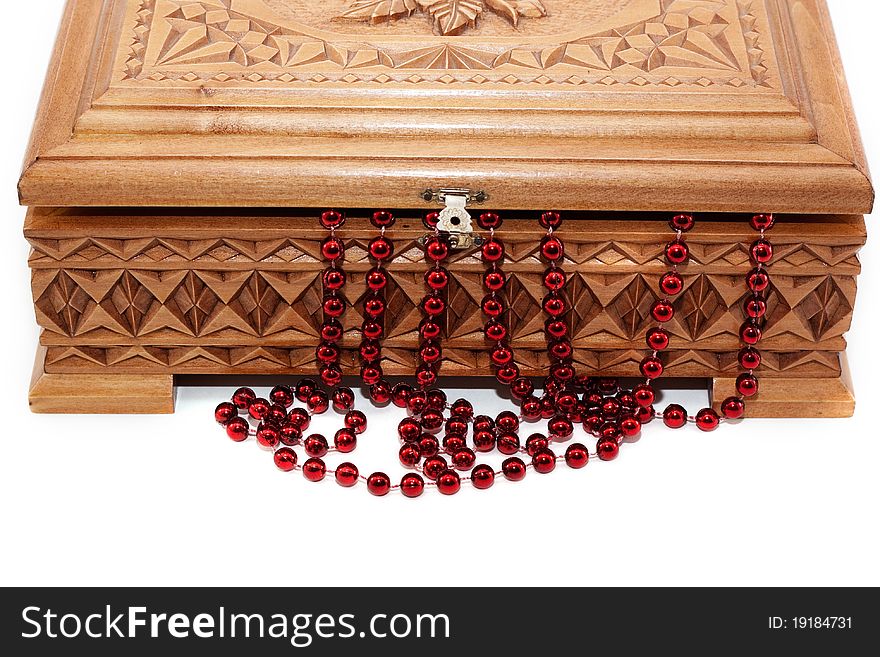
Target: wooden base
column 804, row 398
column 99, row 393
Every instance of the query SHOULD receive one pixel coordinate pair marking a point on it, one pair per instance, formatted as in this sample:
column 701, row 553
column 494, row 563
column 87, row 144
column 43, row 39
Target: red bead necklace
column 606, row 411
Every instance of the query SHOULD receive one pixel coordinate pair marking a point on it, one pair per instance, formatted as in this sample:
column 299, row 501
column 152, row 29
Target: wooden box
column 183, row 150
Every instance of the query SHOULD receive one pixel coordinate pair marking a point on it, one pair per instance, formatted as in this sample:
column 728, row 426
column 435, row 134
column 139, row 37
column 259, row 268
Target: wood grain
column 98, row 393
column 653, row 106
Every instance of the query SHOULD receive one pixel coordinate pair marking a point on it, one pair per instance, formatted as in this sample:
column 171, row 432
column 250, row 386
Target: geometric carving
column 192, row 302
column 700, row 307
column 824, row 307
column 64, row 302
column 256, row 303
column 631, row 309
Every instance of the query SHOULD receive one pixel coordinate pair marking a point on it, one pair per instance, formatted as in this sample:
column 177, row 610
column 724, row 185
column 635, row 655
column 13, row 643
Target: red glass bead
column 489, row 221
column 333, row 279
column 431, row 220
column 409, row 454
column 494, row 280
column 556, row 328
column 432, row 420
column 513, row 469
column 607, row 450
column 495, row 331
column 258, row 408
column 566, row 401
column 381, row 248
column 436, row 399
column 671, row 283
column 412, row 485
column 374, row 306
column 550, row 220
column 610, row 431
column 333, row 306
column 346, row 474
column 400, row 394
column 417, row 402
column 370, row 351
column 521, row 388
column 677, row 252
column 645, row 414
column 749, row 358
column 657, row 339
column 437, row 278
column 747, row 385
column 554, row 279
column 610, row 407
column 430, row 352
column 755, row 307
column 560, row 428
column 332, row 219
column 662, row 311
column 356, row 421
column 448, row 482
column 331, row 331
column 492, row 306
column 464, row 459
column 492, row 250
column 627, row 400
column 327, row 353
column 758, row 280
column 535, row 443
column 409, row 429
column 304, row 389
column 507, row 421
column 289, row 434
column 463, row 409
column 224, row 412
column 682, row 222
column 382, row 219
column 433, row 305
column 707, row 419
column 482, row 477
column 372, row 329
column 436, row 249
column 378, row 484
column 318, row 402
column 454, row 444
column 544, row 461
column 434, row 466
column 552, row 249
column 761, row 252
column 243, row 397
column 548, row 408
column 508, row 443
column 651, row 367
column 484, row 441
column 562, row 371
column 501, row 355
column 299, row 418
column 429, row 445
column 531, row 408
column 380, row 393
column 456, row 426
column 376, row 279
column 762, row 221
column 281, row 395
column 560, row 349
column 371, row 374
column 316, row 445
column 268, row 435
column 733, row 408
column 577, row 456
column 608, row 385
column 332, row 248
column 484, row 423
column 331, row 375
column 237, row 429
column 314, row 469
column 285, row 459
column 674, row 416
column 276, row 414
column 630, row 426
column 750, row 333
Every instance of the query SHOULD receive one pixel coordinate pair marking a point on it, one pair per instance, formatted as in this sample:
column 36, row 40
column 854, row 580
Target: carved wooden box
column 184, row 149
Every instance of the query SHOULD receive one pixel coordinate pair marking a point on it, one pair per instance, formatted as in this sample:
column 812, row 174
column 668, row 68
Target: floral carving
column 451, row 17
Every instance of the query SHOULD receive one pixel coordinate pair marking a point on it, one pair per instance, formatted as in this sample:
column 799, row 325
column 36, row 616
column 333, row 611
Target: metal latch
column 454, row 220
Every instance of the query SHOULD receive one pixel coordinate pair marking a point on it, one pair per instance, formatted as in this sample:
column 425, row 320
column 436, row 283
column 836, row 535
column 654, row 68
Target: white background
column 168, row 500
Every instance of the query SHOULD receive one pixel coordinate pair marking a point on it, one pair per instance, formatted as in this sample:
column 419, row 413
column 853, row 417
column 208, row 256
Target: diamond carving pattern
column 222, row 40
column 64, row 302
column 128, row 303
column 192, row 302
column 700, row 307
column 632, row 307
column 824, row 307
column 256, row 303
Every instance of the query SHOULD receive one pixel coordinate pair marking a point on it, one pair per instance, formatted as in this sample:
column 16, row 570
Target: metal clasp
column 454, row 220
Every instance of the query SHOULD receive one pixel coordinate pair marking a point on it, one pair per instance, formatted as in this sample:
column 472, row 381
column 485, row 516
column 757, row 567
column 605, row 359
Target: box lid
column 704, row 105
